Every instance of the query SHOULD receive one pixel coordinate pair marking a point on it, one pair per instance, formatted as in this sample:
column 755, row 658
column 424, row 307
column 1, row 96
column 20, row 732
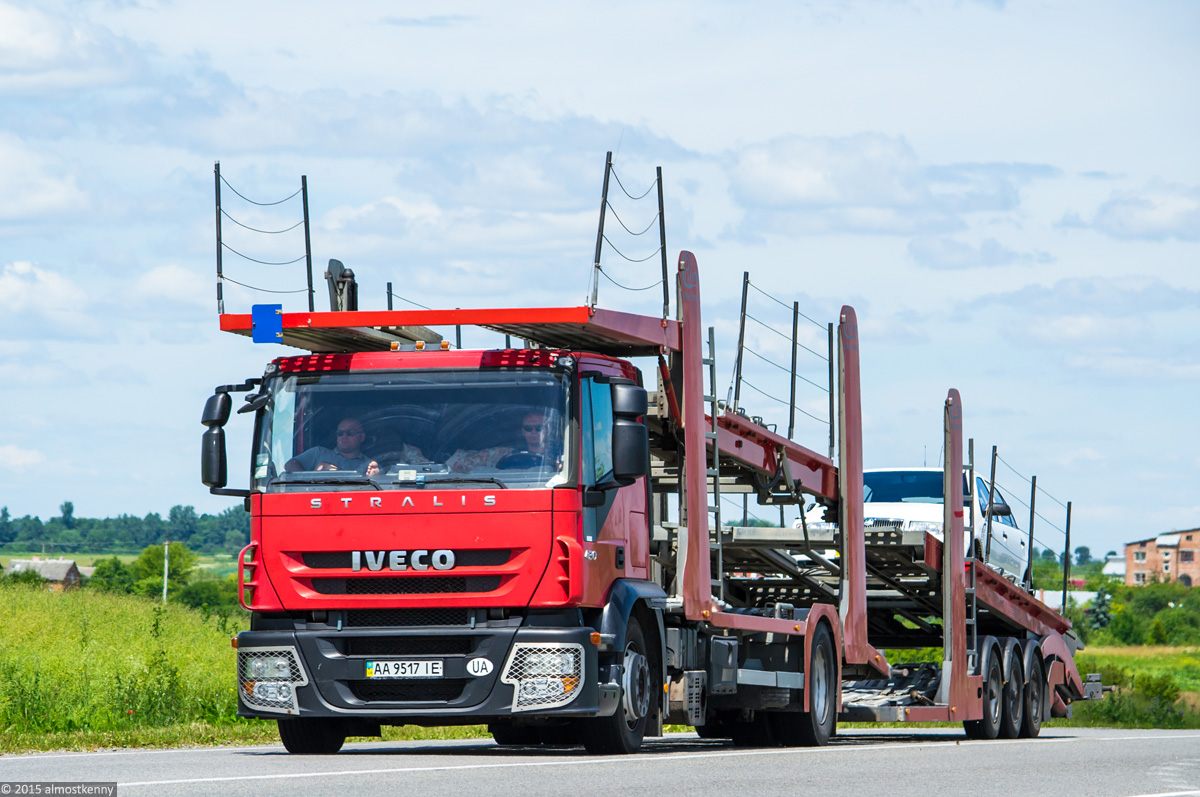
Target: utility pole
column 166, row 562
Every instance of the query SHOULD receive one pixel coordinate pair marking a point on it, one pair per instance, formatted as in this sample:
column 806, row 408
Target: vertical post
column 600, row 231
column 1067, row 560
column 662, row 244
column 307, row 241
column 1032, row 515
column 507, row 341
column 220, row 276
column 795, row 341
column 745, row 509
column 953, row 688
column 389, row 296
column 991, row 499
column 166, row 563
column 737, row 376
column 971, row 492
column 457, row 335
column 832, row 393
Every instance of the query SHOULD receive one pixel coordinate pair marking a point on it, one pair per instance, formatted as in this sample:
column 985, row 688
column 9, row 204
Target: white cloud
column 19, row 459
column 942, row 252
column 26, row 288
column 40, row 52
column 33, row 185
column 173, row 283
column 1159, row 211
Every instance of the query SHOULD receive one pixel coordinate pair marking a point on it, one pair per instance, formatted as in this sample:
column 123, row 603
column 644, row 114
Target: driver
column 533, row 428
column 347, row 456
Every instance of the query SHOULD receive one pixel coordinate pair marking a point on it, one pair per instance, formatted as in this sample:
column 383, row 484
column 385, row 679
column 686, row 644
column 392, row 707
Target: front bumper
column 480, row 680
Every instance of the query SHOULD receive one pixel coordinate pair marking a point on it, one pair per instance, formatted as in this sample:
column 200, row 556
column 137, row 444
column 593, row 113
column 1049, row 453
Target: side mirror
column 629, row 400
column 1000, row 510
column 216, row 410
column 631, row 450
column 212, row 456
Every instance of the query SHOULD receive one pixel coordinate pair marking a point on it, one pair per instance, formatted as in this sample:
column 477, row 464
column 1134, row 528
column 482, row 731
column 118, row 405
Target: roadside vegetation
column 108, row 665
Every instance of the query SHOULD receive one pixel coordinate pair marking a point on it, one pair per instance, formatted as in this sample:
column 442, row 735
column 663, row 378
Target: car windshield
column 372, row 430
column 904, row 487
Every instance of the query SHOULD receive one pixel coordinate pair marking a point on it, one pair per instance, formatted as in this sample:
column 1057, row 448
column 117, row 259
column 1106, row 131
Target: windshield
column 905, row 487
column 399, row 430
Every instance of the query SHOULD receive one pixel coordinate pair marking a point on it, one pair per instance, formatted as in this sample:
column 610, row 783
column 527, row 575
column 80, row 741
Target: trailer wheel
column 624, row 730
column 993, row 688
column 1035, row 699
column 508, row 735
column 813, row 728
column 1014, row 703
column 312, row 735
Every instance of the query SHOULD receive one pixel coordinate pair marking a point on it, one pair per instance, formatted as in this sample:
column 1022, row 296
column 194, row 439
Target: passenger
column 347, row 455
column 534, row 431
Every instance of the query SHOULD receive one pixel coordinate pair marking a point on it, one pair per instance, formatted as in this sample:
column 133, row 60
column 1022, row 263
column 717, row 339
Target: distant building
column 1115, row 565
column 1167, row 557
column 59, row 573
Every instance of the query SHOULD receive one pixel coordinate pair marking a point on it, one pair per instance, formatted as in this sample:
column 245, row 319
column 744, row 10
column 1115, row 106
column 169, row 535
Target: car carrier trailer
column 578, row 593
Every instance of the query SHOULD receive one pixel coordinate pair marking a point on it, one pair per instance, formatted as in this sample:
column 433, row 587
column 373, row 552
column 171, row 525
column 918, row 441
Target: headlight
column 543, row 674
column 923, row 525
column 541, row 664
column 269, row 667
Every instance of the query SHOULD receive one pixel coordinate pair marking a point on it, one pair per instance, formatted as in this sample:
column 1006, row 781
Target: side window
column 1007, row 520
column 982, row 493
column 601, row 430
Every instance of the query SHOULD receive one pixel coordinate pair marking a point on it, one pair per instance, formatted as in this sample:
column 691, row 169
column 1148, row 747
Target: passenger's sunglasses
column 348, row 432
column 533, row 427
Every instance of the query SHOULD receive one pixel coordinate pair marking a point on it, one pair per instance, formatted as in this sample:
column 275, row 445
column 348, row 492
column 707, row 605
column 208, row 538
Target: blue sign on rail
column 267, row 323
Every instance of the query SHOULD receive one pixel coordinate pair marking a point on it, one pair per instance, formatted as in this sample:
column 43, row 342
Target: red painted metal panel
column 756, row 446
column 954, row 586
column 853, row 607
column 1006, row 598
column 406, row 502
column 697, row 574
column 1062, row 669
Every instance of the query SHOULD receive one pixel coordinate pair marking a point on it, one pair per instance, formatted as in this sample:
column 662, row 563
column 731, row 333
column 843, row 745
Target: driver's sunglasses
column 533, row 427
column 348, row 432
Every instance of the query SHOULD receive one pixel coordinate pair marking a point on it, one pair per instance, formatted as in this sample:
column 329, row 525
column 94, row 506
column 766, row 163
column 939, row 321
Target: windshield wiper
column 455, row 479
column 350, row 478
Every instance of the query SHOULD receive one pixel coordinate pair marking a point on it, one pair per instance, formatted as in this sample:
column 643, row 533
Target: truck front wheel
column 813, row 728
column 312, row 735
column 623, row 732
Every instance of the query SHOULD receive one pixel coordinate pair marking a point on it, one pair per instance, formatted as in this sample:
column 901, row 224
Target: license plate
column 405, row 668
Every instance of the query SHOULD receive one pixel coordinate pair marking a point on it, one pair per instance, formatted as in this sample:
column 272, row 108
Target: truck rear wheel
column 1035, row 699
column 312, row 735
column 623, row 732
column 812, row 728
column 1014, row 703
column 993, row 688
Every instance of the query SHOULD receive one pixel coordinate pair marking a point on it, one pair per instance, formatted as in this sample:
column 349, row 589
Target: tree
column 1100, row 612
column 6, row 529
column 1083, row 555
column 1049, row 555
column 183, row 523
column 68, row 514
column 149, row 563
column 112, row 575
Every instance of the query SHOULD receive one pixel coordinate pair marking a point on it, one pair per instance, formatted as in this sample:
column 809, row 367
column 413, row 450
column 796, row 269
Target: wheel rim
column 1035, row 696
column 994, row 696
column 1015, row 696
column 819, row 690
column 636, row 686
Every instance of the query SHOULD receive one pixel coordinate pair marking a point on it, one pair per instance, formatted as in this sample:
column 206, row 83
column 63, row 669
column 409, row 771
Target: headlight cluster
column 543, row 674
column 923, row 525
column 268, row 677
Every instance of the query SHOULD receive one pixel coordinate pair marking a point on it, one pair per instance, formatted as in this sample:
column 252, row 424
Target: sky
column 1007, row 192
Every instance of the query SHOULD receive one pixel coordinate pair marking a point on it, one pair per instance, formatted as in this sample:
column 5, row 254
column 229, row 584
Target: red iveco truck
column 521, row 538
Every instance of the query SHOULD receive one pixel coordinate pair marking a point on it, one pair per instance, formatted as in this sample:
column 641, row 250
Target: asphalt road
column 1063, row 762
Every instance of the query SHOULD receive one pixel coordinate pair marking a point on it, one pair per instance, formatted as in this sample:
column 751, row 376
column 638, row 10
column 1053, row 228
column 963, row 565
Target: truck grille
column 423, row 691
column 332, row 560
column 405, row 585
column 410, row 646
column 393, row 618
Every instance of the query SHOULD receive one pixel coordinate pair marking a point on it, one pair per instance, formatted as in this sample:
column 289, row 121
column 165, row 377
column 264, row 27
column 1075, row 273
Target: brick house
column 1167, row 557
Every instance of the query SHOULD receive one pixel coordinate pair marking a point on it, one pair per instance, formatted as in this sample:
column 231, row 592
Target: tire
column 814, row 727
column 1014, row 702
column 508, row 735
column 312, row 735
column 758, row 732
column 1035, row 699
column 993, row 688
column 623, row 732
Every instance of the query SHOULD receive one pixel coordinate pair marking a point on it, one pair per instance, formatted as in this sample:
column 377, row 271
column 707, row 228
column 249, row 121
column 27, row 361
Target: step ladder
column 713, row 472
column 972, row 606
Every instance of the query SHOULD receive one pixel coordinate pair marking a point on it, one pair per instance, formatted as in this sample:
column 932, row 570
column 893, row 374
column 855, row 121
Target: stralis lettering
column 376, row 502
column 403, row 560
